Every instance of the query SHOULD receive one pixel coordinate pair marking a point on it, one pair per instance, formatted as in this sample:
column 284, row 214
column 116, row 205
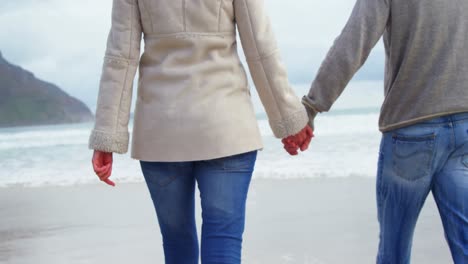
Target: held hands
column 299, row 141
column 102, row 165
column 102, row 161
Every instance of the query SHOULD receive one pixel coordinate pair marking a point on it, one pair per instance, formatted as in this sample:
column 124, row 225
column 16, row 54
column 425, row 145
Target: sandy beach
column 318, row 221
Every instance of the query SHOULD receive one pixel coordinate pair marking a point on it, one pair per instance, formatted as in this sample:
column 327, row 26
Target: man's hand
column 301, row 141
column 102, row 165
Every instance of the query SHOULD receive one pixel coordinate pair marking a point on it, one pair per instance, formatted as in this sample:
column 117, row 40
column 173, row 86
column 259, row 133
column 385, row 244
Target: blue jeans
column 223, row 185
column 414, row 160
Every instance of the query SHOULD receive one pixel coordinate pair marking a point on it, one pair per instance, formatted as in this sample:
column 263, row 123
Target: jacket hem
column 290, row 125
column 109, row 142
column 156, row 158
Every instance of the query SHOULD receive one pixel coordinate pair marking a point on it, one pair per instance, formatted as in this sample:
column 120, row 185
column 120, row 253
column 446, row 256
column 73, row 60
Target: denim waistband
column 447, row 118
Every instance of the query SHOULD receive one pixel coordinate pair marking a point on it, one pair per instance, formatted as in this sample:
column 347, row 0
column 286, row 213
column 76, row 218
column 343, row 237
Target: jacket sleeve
column 110, row 133
column 285, row 113
column 348, row 53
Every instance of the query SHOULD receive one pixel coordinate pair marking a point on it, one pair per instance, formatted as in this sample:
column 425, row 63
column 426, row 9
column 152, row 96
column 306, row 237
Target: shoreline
column 320, row 220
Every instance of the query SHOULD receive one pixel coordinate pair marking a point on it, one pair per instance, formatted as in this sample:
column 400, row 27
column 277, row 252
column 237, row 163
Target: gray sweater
column 426, row 73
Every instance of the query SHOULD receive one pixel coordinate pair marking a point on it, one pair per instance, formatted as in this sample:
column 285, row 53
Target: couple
column 194, row 121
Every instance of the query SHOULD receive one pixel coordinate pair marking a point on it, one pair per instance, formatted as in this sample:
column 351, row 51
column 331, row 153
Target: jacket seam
column 110, row 133
column 131, row 30
column 121, row 59
column 124, row 85
column 121, row 99
column 190, row 34
column 251, row 27
column 149, row 15
column 263, row 57
column 221, row 2
column 261, row 63
column 184, row 15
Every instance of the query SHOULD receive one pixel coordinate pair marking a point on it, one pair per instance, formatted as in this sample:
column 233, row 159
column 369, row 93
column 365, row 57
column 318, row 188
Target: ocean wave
column 344, row 146
column 45, row 138
column 132, row 180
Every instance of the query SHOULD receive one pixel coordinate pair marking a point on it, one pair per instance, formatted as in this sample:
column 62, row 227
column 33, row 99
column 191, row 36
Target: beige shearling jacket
column 193, row 100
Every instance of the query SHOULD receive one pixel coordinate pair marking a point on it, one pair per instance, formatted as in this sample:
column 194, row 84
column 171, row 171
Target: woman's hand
column 299, row 141
column 102, row 165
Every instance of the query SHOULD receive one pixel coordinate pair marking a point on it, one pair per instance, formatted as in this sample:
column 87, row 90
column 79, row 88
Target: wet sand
column 313, row 221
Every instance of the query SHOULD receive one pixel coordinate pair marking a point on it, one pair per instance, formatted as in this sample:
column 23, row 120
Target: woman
column 194, row 120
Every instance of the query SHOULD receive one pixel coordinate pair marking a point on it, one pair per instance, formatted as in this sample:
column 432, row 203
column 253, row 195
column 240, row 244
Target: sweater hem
column 414, row 121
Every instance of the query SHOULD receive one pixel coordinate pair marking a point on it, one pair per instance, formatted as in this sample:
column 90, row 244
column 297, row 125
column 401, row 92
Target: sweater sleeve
column 285, row 113
column 348, row 53
column 110, row 133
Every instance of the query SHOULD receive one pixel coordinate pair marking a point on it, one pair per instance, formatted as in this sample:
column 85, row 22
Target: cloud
column 306, row 30
column 63, row 41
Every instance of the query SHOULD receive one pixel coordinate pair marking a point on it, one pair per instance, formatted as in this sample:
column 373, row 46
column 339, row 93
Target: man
column 424, row 118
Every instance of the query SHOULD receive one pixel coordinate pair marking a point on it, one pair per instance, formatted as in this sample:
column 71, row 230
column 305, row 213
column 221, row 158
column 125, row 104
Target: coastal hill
column 26, row 100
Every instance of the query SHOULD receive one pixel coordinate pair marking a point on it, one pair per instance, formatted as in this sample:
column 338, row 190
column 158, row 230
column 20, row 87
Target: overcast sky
column 63, row 41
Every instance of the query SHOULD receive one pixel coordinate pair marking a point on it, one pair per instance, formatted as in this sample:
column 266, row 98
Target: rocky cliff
column 26, row 100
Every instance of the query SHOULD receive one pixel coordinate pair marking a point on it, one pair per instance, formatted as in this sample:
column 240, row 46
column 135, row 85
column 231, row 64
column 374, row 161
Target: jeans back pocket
column 240, row 162
column 163, row 173
column 413, row 155
column 465, row 160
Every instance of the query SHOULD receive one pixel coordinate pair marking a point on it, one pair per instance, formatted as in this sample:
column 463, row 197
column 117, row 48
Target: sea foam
column 345, row 145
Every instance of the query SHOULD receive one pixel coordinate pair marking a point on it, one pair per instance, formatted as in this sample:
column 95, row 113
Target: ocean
column 346, row 145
